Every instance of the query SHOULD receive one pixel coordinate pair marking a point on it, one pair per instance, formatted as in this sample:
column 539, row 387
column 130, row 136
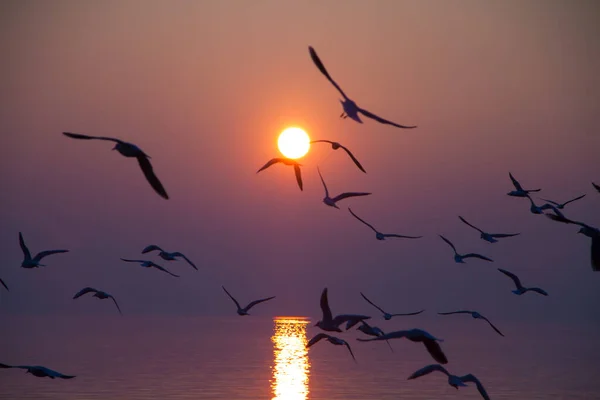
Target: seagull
column 130, row 150
column 520, row 192
column 372, row 331
column 4, row 284
column 331, row 201
column 475, row 315
column 332, row 340
column 34, row 262
column 38, row 371
column 596, row 186
column 453, row 380
column 335, row 146
column 520, row 288
column 489, row 237
column 379, row 235
column 540, row 209
column 416, row 335
column 150, row 264
column 459, row 258
column 560, row 206
column 330, row 324
column 388, row 316
column 244, row 311
column 286, row 161
column 99, row 294
column 350, row 108
column 589, row 231
column 165, row 255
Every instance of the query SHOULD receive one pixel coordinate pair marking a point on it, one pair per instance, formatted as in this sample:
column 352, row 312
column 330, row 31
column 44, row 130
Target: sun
column 293, row 142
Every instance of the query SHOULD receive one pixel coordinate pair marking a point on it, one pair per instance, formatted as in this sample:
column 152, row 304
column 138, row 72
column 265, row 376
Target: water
column 259, row 358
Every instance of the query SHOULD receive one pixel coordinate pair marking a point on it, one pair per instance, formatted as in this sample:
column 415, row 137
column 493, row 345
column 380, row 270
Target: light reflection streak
column 291, row 364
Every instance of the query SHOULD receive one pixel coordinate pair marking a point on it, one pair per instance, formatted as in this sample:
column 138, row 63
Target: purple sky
column 205, row 87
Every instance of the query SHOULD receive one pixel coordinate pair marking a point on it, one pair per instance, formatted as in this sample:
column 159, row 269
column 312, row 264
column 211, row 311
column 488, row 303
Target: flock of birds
column 328, row 322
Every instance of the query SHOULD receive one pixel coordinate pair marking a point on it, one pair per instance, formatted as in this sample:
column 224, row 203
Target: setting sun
column 293, row 142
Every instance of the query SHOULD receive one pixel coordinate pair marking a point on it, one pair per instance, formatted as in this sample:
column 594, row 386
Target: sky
column 205, row 87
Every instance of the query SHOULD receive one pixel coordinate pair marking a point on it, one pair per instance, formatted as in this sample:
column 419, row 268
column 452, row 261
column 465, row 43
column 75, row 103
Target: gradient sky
column 205, row 87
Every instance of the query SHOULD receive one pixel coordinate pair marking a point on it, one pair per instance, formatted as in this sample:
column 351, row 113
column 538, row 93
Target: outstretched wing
column 178, row 254
column 319, row 64
column 435, row 350
column 427, row 370
column 538, row 290
column 515, row 183
column 503, row 235
column 407, row 314
column 596, row 186
column 24, row 248
column 150, row 248
column 116, row 304
column 88, row 137
column 321, row 141
column 449, row 243
column 135, row 261
column 512, row 276
column 563, row 219
column 475, row 255
column 269, row 163
column 84, row 291
column 4, row 284
column 492, row 325
column 231, row 297
column 298, row 174
column 456, row 312
column 350, row 350
column 164, row 270
column 472, row 226
column 572, row 200
column 324, row 303
column 371, row 303
column 550, row 201
column 383, row 121
column 255, row 302
column 363, row 221
column 323, row 182
column 472, row 378
column 349, row 194
column 46, row 253
column 401, row 236
column 146, row 167
column 317, row 338
column 353, row 159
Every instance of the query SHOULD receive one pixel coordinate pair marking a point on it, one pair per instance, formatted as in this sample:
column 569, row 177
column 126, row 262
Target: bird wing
column 387, row 336
column 350, row 350
column 231, row 297
column 350, row 320
column 319, row 64
column 456, row 312
column 116, row 304
column 269, row 163
column 327, row 316
column 136, row 261
column 596, row 186
column 152, row 179
column 4, row 284
column 383, row 121
column 572, row 200
column 317, row 338
column 353, row 159
column 348, row 194
column 407, row 314
column 46, row 253
column 512, row 276
column 150, row 248
column 323, row 182
column 363, row 221
column 596, row 253
column 449, row 242
column 321, row 141
column 434, row 348
column 178, row 254
column 563, row 219
column 538, row 290
column 472, row 226
column 492, row 325
column 503, row 235
column 298, row 174
column 54, row 374
column 88, row 137
column 84, row 291
column 164, row 270
column 401, row 236
column 371, row 303
column 12, row 366
column 475, row 255
column 550, row 201
column 480, row 388
column 427, row 370
column 515, row 183
column 24, row 248
column 255, row 302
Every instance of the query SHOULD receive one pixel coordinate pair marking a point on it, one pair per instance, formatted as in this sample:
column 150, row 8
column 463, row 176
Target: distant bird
column 244, row 311
column 350, row 108
column 331, row 339
column 388, row 316
column 130, row 150
column 519, row 192
column 416, row 335
column 4, row 284
column 336, row 145
column 332, row 201
column 589, row 231
column 150, row 264
column 286, row 161
column 560, row 206
column 459, row 258
column 330, row 324
column 39, row 371
column 535, row 209
column 489, row 237
column 596, row 187
column 165, row 255
column 453, row 380
column 475, row 315
column 34, row 262
column 99, row 294
column 379, row 235
column 367, row 329
column 520, row 288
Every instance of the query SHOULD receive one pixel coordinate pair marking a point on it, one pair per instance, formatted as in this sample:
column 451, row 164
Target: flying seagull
column 388, row 316
column 459, row 258
column 519, row 192
column 596, row 187
column 165, row 255
column 150, row 264
column 332, row 201
column 244, row 311
column 99, row 294
column 331, row 339
column 39, row 371
column 130, row 150
column 379, row 235
column 34, row 262
column 453, row 380
column 330, row 324
column 335, row 146
column 589, row 231
column 367, row 329
column 416, row 335
column 489, row 237
column 560, row 206
column 286, row 161
column 535, row 209
column 4, row 284
column 520, row 288
column 350, row 108
column 475, row 315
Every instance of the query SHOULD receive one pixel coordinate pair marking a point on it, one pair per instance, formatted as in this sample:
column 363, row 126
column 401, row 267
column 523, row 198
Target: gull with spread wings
column 489, row 237
column 165, row 255
column 331, row 339
column 519, row 191
column 379, row 235
column 417, row 336
column 331, row 202
column 34, row 262
column 331, row 324
column 459, row 258
column 99, row 294
column 285, row 161
column 388, row 316
column 453, row 380
column 39, row 371
column 475, row 315
column 336, row 145
column 560, row 206
column 520, row 288
column 244, row 311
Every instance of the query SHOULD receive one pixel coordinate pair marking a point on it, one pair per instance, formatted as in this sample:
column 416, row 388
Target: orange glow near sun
column 293, row 142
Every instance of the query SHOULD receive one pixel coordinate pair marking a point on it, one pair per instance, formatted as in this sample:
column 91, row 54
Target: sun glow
column 293, row 142
column 290, row 372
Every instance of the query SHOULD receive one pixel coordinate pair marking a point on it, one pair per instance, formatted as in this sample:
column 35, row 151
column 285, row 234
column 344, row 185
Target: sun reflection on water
column 291, row 369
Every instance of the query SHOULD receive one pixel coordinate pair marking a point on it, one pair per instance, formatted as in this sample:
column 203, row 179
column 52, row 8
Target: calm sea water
column 261, row 358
